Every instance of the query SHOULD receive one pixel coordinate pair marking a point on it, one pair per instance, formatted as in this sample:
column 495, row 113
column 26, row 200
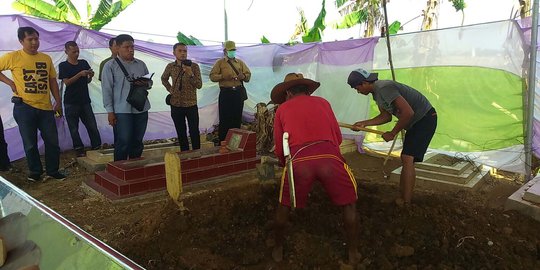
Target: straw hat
column 279, row 93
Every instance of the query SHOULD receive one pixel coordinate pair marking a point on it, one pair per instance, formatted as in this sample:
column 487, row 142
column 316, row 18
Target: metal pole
column 531, row 91
column 225, row 20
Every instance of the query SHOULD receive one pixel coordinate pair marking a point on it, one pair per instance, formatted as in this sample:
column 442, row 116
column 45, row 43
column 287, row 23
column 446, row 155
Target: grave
column 526, row 199
column 442, row 172
column 132, row 178
column 96, row 160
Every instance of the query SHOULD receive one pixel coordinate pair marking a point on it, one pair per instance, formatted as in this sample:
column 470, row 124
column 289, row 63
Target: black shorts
column 418, row 137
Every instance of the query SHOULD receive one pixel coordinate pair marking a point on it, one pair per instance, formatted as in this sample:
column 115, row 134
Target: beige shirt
column 223, row 73
column 184, row 88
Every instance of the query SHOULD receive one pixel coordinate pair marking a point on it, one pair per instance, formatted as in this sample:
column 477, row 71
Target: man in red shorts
column 314, row 139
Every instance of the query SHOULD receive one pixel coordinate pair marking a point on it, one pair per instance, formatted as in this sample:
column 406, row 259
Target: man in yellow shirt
column 34, row 80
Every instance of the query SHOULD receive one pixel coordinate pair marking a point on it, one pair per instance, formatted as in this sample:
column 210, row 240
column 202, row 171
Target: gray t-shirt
column 386, row 91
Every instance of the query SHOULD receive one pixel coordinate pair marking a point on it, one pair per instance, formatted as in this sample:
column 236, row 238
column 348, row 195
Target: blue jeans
column 128, row 135
column 74, row 112
column 4, row 158
column 30, row 120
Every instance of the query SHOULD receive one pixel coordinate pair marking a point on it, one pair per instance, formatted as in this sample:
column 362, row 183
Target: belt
column 231, row 88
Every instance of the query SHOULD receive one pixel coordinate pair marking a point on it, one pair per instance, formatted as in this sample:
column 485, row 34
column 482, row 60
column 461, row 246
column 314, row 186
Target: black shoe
column 33, row 178
column 96, row 147
column 80, row 152
column 57, row 176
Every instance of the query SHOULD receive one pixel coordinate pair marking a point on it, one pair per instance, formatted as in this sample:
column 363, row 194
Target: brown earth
column 229, row 224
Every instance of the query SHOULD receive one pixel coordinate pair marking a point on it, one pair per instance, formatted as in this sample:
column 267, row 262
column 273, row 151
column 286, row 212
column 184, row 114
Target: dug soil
column 229, row 224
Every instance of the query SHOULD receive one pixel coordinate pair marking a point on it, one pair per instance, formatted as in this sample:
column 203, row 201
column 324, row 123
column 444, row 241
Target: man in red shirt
column 314, row 139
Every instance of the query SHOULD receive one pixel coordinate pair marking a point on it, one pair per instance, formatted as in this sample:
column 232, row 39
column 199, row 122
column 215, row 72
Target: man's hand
column 57, row 107
column 140, row 83
column 360, row 124
column 241, row 76
column 388, row 136
column 112, row 118
column 90, row 73
column 84, row 73
column 187, row 70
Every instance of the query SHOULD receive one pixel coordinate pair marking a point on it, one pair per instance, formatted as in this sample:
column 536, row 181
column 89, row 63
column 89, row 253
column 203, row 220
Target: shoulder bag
column 137, row 93
column 243, row 91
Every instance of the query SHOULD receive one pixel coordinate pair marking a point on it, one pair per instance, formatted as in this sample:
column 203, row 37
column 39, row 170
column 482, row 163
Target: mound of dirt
column 229, row 225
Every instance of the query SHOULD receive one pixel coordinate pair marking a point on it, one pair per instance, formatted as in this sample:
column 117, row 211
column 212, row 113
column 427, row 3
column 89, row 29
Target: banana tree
column 191, row 40
column 65, row 11
column 524, row 8
column 459, row 5
column 430, row 14
column 314, row 34
column 368, row 12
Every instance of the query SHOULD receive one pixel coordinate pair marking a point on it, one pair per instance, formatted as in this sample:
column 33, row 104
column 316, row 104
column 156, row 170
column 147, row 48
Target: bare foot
column 277, row 253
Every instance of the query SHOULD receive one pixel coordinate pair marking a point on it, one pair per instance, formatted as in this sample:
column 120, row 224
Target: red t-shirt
column 306, row 119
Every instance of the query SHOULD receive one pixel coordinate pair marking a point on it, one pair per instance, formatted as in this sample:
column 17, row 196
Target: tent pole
column 531, row 92
column 225, row 20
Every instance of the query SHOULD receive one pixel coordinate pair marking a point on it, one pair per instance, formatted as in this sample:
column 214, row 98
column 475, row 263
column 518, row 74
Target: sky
column 249, row 20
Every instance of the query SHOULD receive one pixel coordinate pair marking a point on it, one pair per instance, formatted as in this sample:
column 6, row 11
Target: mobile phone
column 186, row 62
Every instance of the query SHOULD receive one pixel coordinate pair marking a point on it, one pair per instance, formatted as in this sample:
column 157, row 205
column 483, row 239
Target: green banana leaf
column 303, row 21
column 65, row 11
column 88, row 9
column 264, row 40
column 340, row 3
column 188, row 40
column 315, row 33
column 68, row 7
column 106, row 11
column 40, row 9
column 394, row 28
column 351, row 20
column 195, row 40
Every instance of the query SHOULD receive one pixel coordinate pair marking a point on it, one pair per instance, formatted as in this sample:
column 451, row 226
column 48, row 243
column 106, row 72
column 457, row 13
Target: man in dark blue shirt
column 76, row 74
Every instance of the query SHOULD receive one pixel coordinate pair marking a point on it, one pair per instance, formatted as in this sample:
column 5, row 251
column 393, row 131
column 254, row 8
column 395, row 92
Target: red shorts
column 322, row 162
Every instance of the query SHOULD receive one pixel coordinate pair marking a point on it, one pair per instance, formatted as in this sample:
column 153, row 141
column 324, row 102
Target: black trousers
column 231, row 106
column 4, row 158
column 179, row 115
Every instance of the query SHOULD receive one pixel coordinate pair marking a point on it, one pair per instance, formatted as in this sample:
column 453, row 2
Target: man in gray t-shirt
column 414, row 112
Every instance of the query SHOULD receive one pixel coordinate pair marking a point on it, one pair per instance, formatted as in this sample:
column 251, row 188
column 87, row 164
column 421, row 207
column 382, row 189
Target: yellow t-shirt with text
column 31, row 75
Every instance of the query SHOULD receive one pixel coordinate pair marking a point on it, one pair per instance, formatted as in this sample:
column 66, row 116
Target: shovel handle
column 343, row 125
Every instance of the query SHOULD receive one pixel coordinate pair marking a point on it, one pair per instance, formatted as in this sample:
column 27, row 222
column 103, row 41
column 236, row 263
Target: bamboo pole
column 388, row 47
column 343, row 125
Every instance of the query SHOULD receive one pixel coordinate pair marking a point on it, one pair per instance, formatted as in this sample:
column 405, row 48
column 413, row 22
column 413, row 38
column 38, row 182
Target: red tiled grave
column 128, row 178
